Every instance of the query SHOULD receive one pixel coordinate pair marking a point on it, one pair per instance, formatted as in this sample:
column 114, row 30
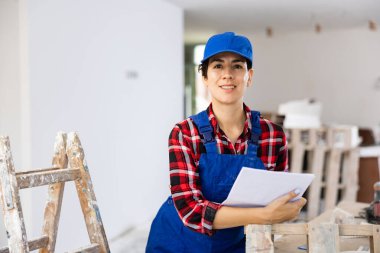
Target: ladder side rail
column 86, row 193
column 10, row 201
column 55, row 195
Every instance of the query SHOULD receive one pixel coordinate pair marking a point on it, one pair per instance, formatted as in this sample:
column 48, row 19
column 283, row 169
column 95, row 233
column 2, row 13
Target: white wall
column 9, row 69
column 339, row 68
column 10, row 107
column 113, row 71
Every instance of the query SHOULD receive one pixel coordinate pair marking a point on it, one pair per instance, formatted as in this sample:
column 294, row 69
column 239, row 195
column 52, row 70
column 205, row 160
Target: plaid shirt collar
column 218, row 130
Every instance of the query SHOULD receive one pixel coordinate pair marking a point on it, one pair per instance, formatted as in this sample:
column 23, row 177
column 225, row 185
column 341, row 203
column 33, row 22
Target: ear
column 250, row 77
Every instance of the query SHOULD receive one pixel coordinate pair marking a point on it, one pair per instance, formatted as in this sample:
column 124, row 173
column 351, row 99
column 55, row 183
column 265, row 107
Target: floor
column 132, row 240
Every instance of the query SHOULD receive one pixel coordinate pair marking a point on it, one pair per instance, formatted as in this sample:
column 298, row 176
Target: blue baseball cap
column 228, row 42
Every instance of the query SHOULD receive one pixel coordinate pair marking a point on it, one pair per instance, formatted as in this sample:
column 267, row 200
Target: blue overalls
column 217, row 172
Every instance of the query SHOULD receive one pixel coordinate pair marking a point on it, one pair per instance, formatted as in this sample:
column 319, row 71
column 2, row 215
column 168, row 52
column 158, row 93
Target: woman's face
column 227, row 78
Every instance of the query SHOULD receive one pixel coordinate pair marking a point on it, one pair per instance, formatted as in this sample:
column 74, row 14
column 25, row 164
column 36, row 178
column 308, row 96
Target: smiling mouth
column 228, row 87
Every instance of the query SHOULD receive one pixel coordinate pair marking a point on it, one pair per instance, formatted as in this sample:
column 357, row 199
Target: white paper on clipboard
column 255, row 187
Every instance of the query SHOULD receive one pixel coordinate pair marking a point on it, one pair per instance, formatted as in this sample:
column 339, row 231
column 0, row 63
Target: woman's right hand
column 277, row 211
column 281, row 209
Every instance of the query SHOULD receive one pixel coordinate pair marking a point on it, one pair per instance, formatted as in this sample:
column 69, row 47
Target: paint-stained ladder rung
column 33, row 244
column 26, row 180
column 28, row 172
column 93, row 248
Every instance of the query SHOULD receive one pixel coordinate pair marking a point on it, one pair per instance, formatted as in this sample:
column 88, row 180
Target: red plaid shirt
column 185, row 149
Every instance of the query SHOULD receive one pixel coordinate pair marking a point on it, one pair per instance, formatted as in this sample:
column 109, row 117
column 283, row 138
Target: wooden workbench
column 336, row 230
column 290, row 243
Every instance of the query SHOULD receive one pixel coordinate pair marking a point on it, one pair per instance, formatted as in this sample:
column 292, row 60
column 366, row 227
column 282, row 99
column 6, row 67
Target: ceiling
column 204, row 17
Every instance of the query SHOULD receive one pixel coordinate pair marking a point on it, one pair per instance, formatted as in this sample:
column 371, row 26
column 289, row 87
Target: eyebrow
column 220, row 60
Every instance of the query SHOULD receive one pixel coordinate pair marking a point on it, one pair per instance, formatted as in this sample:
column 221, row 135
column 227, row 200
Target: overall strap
column 206, row 131
column 253, row 143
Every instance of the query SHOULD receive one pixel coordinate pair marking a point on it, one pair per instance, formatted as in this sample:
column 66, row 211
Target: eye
column 237, row 66
column 217, row 66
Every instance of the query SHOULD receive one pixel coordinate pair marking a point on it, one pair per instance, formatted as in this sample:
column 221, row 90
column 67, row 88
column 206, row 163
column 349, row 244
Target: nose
column 227, row 73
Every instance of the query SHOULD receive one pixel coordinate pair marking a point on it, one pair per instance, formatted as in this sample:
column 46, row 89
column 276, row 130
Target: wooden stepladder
column 68, row 165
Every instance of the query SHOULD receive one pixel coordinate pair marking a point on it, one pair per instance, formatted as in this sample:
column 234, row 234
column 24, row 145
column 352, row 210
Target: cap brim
column 223, row 51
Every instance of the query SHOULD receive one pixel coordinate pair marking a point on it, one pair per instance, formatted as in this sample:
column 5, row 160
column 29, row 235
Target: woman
column 207, row 152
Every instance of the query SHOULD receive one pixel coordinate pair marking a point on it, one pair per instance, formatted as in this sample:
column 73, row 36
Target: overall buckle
column 206, row 132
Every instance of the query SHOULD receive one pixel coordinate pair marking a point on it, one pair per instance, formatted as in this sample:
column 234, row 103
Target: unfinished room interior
column 91, row 91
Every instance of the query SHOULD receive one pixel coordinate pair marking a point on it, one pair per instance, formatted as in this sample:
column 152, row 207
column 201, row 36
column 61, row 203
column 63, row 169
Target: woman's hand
column 277, row 211
column 281, row 209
